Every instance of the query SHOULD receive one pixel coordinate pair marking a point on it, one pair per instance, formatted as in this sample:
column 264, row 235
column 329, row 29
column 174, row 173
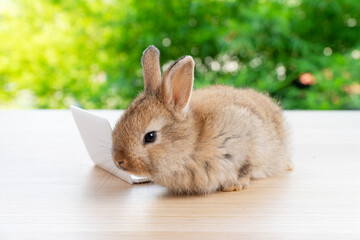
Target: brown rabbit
column 216, row 138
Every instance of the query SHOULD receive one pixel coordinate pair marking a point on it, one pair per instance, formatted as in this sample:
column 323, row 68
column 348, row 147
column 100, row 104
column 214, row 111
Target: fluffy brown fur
column 216, row 138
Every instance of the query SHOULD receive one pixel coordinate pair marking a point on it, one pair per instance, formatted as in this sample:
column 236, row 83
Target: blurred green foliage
column 305, row 53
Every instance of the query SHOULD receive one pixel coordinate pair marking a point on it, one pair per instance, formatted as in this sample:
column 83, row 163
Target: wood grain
column 49, row 188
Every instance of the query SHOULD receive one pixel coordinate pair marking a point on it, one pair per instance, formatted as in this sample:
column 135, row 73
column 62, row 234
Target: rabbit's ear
column 151, row 69
column 177, row 84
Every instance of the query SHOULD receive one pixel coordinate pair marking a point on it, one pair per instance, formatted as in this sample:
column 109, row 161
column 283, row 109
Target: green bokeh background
column 62, row 52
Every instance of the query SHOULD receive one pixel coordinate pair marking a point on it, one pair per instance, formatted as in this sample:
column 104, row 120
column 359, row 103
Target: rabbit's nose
column 118, row 158
column 119, row 164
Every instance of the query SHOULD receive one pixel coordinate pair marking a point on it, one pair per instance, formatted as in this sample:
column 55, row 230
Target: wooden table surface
column 49, row 188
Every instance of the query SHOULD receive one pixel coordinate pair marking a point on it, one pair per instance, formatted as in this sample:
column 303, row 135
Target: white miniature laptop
column 96, row 134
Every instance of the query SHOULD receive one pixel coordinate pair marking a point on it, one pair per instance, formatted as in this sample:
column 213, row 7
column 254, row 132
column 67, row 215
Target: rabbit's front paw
column 243, row 184
column 231, row 189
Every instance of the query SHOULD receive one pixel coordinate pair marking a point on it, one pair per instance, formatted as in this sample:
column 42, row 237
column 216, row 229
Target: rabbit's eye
column 150, row 137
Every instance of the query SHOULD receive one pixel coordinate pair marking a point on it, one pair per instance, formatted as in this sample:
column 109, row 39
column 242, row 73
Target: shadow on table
column 103, row 185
